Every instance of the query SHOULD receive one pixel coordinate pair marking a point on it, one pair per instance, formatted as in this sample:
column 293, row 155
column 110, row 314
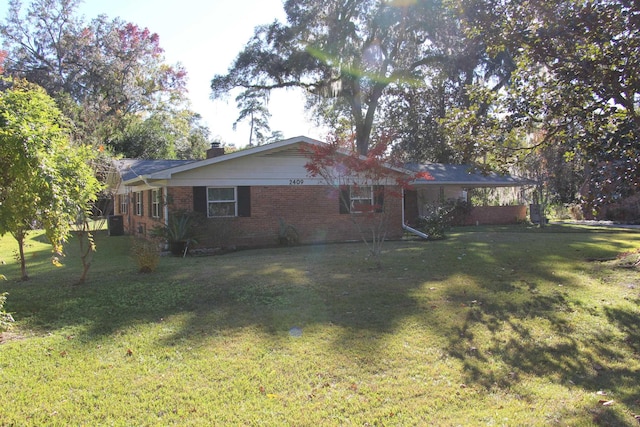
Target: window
column 124, row 203
column 221, row 201
column 358, row 199
column 361, row 198
column 138, row 198
column 156, row 206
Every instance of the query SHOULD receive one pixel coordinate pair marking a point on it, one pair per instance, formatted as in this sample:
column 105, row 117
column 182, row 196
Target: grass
column 492, row 326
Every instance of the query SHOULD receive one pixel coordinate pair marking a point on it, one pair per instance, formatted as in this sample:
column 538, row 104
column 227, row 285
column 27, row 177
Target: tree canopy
column 464, row 81
column 107, row 75
column 349, row 55
column 576, row 81
column 45, row 181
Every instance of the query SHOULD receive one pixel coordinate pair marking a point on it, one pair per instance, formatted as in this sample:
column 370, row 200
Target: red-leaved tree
column 364, row 183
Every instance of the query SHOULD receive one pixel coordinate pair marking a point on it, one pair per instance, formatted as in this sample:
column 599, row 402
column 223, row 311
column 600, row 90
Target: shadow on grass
column 492, row 288
column 520, row 328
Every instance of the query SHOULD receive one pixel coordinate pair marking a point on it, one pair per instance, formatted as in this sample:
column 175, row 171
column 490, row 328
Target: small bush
column 287, row 234
column 146, row 254
column 436, row 221
column 5, row 318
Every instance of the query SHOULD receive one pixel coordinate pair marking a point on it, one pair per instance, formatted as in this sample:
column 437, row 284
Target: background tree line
column 73, row 94
column 109, row 77
column 550, row 87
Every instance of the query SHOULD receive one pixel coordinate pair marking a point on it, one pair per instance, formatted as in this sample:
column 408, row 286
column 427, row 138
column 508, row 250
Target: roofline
column 167, row 173
column 475, row 184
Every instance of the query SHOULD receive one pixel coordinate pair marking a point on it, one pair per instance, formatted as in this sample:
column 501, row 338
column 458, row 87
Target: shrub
column 5, row 318
column 287, row 234
column 436, row 221
column 181, row 231
column 575, row 211
column 146, row 254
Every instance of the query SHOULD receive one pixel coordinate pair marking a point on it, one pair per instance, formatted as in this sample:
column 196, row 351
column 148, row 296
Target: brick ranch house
column 246, row 196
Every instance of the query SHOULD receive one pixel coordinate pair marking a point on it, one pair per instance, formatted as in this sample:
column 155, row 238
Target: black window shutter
column 200, row 200
column 244, row 201
column 150, row 203
column 345, row 200
column 378, row 198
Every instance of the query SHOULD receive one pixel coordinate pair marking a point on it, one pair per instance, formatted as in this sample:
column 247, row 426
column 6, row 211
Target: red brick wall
column 180, row 198
column 134, row 224
column 496, row 215
column 312, row 210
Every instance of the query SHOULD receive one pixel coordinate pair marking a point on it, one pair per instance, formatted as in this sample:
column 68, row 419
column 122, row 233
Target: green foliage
column 182, row 226
column 252, row 106
column 354, row 58
column 104, row 75
column 181, row 231
column 287, row 234
column 146, row 254
column 45, row 181
column 6, row 319
column 435, row 221
column 573, row 88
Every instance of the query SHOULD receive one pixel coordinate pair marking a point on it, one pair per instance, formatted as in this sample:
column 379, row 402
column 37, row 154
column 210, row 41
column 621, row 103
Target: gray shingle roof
column 131, row 168
column 463, row 175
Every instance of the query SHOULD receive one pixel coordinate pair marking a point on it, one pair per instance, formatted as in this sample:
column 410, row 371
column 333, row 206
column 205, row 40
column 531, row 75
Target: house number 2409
column 296, row 181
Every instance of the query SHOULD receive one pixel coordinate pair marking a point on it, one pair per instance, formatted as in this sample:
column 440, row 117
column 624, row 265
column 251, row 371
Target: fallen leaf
column 129, row 352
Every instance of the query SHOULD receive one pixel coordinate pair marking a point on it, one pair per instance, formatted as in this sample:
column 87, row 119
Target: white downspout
column 406, row 227
column 165, row 205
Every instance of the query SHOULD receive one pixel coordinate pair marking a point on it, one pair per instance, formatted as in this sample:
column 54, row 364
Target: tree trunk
column 23, row 262
column 85, row 254
column 362, row 140
column 364, row 123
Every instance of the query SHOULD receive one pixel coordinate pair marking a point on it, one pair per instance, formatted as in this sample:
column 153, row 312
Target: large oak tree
column 345, row 53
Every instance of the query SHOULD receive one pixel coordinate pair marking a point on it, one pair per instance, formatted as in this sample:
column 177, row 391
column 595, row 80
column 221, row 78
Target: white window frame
column 356, row 196
column 139, row 206
column 156, row 207
column 211, row 202
column 124, row 203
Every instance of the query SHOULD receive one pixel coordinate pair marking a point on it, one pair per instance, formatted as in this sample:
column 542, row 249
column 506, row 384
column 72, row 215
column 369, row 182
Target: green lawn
column 492, row 326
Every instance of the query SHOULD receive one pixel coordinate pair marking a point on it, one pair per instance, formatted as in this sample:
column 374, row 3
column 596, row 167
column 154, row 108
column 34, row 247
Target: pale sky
column 205, row 36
